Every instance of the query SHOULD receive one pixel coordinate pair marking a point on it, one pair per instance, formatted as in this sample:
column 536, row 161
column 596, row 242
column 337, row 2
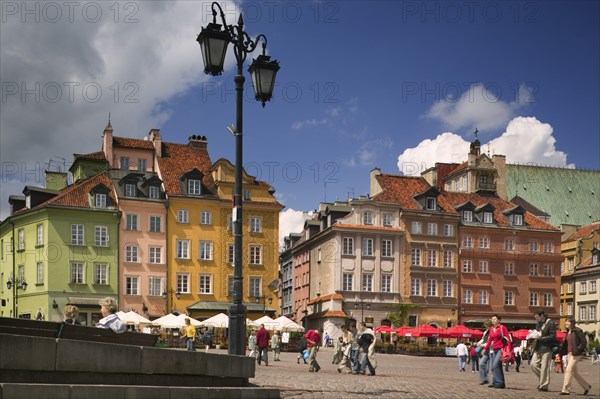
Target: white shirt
column 113, row 322
column 461, row 350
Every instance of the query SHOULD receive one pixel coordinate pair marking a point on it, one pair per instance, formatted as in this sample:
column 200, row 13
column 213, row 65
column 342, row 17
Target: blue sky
column 362, row 85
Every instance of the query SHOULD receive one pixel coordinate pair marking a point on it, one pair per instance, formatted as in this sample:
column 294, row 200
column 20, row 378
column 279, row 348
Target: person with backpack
column 313, row 342
column 495, row 343
column 474, row 359
column 573, row 347
column 301, row 349
column 542, row 349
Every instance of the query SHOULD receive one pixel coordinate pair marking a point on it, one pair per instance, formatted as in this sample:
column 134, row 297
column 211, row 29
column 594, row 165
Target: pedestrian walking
column 276, row 345
column 252, row 344
column 495, row 343
column 558, row 364
column 327, row 339
column 346, row 362
column 542, row 349
column 366, row 344
column 189, row 332
column 518, row 359
column 573, row 347
column 301, row 348
column 461, row 353
column 313, row 341
column 484, row 355
column 338, row 352
column 354, row 353
column 262, row 341
column 474, row 358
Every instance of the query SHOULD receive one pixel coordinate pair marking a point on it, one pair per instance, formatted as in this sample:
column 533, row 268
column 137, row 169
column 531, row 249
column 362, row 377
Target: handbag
column 508, row 355
column 305, row 354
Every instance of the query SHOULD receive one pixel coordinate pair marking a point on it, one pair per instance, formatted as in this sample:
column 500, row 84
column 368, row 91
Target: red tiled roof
column 368, row 227
column 95, row 156
column 335, row 313
column 132, row 143
column 584, row 231
column 76, row 195
column 178, row 159
column 443, row 170
column 402, row 189
column 325, row 298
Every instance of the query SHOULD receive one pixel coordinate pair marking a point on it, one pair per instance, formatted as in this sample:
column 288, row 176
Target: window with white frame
column 182, row 216
column 509, row 268
column 131, row 221
column 595, row 258
column 548, row 271
column 582, row 313
column 432, row 287
column 386, row 248
column 39, row 273
column 101, row 236
column 21, row 273
column 183, row 283
column 155, row 286
column 416, row 228
column 367, row 282
column 130, row 190
column 534, row 299
column 509, row 298
column 569, row 308
column 193, row 187
column 368, row 217
column 484, row 242
column 100, row 273
column 432, row 229
column 132, row 285
column 415, row 257
column 509, row 244
column 432, row 258
column 561, row 310
column 448, row 258
column 467, row 266
column 488, row 217
column 141, row 165
column 386, row 283
column 230, row 254
column 484, row 297
column 484, row 267
column 348, row 281
column 548, row 246
column 571, row 263
column 124, row 163
column 467, row 242
column 592, row 312
column 583, row 287
column 387, row 219
column 206, row 217
column 431, row 204
column 77, row 234
column 154, row 192
column 131, row 253
column 533, row 269
column 230, row 223
column 415, row 286
column 155, row 255
column 100, row 200
column 40, row 234
column 247, row 195
column 77, row 273
column 255, row 225
column 467, row 296
column 592, row 286
column 254, row 287
column 229, row 285
column 205, row 284
column 534, row 246
column 155, row 224
column 518, row 219
column 182, row 248
column 562, row 267
column 206, row 250
column 562, row 290
column 21, row 240
column 570, row 288
column 467, row 216
column 449, row 230
column 348, row 246
column 367, row 247
column 255, row 255
column 448, row 288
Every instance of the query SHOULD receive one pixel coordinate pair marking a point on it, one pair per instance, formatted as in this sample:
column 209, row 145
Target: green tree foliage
column 399, row 315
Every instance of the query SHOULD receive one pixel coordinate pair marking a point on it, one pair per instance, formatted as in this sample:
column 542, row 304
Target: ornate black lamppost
column 264, row 300
column 19, row 284
column 213, row 43
column 170, row 293
column 362, row 305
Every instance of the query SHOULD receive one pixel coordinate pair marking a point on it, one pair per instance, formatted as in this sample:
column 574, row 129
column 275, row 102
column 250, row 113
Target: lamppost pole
column 213, row 43
column 170, row 293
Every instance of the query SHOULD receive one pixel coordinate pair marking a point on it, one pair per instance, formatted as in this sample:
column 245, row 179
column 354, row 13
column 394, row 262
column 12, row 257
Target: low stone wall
column 38, row 360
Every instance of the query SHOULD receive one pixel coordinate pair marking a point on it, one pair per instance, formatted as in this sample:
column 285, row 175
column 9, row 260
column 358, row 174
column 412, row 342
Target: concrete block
column 86, row 356
column 166, row 361
column 19, row 352
column 37, row 391
column 118, row 392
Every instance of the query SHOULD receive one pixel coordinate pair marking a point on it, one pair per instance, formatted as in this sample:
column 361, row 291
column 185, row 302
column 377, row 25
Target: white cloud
column 291, row 221
column 372, row 150
column 478, row 107
column 308, row 122
column 526, row 140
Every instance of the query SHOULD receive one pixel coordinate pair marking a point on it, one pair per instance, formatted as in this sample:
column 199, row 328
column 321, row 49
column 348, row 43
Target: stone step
column 65, row 391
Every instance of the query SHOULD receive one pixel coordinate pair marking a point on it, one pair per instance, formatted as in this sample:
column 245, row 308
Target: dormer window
column 488, row 217
column 431, row 204
column 368, row 217
column 130, row 190
column 517, row 219
column 194, row 187
column 28, row 202
column 467, row 216
column 595, row 256
column 154, row 192
column 100, row 200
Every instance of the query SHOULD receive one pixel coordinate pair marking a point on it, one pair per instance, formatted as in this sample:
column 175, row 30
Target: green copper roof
column 570, row 196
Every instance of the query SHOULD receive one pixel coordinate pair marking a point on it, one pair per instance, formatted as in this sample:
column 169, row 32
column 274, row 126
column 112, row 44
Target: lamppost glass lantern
column 263, row 72
column 213, row 44
column 20, row 285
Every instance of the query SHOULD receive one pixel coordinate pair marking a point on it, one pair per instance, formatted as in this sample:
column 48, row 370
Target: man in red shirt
column 313, row 342
column 262, row 341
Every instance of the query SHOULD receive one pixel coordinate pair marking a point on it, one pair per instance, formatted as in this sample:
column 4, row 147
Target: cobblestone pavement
column 401, row 376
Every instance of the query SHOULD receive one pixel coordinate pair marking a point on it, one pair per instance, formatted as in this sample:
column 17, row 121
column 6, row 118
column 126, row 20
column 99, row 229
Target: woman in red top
column 497, row 332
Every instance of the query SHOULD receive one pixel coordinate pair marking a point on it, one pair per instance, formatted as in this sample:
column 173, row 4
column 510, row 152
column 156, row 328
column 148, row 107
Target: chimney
column 375, row 186
column 198, row 141
column 500, row 164
column 55, row 180
column 107, row 143
column 156, row 141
